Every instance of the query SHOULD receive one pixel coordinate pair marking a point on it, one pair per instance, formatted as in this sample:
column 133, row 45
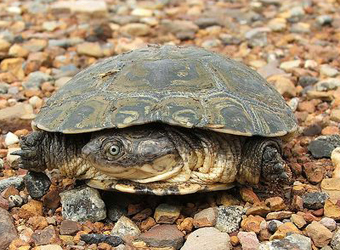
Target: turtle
column 163, row 120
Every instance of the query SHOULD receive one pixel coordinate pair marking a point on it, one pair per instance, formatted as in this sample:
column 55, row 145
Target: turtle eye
column 114, row 150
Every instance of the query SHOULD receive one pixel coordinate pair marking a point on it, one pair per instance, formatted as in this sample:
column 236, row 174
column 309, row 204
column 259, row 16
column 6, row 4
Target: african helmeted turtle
column 163, row 120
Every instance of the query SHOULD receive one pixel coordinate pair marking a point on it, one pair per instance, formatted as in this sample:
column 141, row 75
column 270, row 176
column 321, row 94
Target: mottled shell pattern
column 183, row 86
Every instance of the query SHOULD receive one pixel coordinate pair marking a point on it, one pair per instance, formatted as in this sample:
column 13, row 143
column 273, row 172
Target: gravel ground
column 293, row 44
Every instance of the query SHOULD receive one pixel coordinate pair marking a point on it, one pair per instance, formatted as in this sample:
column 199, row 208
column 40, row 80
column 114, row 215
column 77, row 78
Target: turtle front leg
column 31, row 153
column 262, row 160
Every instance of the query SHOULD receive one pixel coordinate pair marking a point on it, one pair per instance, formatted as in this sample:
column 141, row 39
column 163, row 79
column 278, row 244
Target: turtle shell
column 183, row 86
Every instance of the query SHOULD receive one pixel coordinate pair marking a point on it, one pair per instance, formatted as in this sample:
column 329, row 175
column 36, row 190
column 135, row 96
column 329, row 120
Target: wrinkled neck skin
column 149, row 153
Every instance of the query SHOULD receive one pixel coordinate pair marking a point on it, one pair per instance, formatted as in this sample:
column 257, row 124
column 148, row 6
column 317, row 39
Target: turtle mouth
column 160, row 169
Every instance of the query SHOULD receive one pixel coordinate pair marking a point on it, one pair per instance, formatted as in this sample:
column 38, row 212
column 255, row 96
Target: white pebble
column 11, row 158
column 335, row 156
column 11, row 139
column 35, row 101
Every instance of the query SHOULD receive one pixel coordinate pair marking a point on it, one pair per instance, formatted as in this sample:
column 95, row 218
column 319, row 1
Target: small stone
column 229, row 218
column 35, row 101
column 275, row 203
column 320, row 235
column 335, row 115
column 82, row 204
column 16, row 181
column 125, row 227
column 90, row 49
column 305, row 81
column 293, row 241
column 298, row 220
column 150, row 222
column 324, row 20
column 323, row 146
column 205, row 218
column 14, row 66
column 329, row 223
column 332, row 209
column 335, row 243
column 277, row 24
column 32, row 208
column 48, row 247
column 252, row 223
column 37, row 222
column 46, row 236
column 186, row 225
column 273, row 225
column 328, row 70
column 51, row 199
column 257, row 36
column 35, row 80
column 315, row 200
column 37, row 184
column 35, row 45
column 4, row 45
column 163, row 236
column 285, row 229
column 61, row 81
column 248, row 240
column 7, row 229
column 290, row 65
column 283, row 85
column 69, row 227
column 258, row 209
column 207, row 238
column 99, row 238
column 114, row 212
column 280, row 215
column 166, row 213
column 300, row 28
column 248, row 195
column 136, row 29
column 17, row 51
column 315, row 173
column 328, row 84
column 15, row 201
column 85, row 7
column 11, row 139
column 142, row 12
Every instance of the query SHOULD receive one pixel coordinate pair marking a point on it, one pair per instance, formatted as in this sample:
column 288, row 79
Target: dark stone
column 324, row 145
column 69, row 227
column 7, row 229
column 315, row 200
column 37, row 184
column 305, row 81
column 16, row 181
column 314, row 129
column 99, row 238
column 114, row 212
column 272, row 227
column 205, row 22
column 163, row 236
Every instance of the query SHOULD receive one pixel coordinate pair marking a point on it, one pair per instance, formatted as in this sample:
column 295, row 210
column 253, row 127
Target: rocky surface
column 293, row 44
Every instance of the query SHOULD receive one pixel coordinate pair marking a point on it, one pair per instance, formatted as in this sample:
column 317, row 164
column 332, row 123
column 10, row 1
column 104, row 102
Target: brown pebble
column 147, row 224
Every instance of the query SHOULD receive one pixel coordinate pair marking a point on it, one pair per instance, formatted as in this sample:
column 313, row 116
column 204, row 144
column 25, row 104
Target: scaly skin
column 155, row 157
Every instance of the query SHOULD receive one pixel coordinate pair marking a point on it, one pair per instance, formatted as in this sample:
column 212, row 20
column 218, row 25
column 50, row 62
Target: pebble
column 37, row 184
column 283, row 85
column 248, row 240
column 277, row 24
column 293, row 241
column 142, row 12
column 300, row 28
column 320, row 235
column 329, row 223
column 46, row 236
column 8, row 231
column 4, row 45
column 15, row 201
column 114, row 212
column 257, row 37
column 99, row 238
column 89, row 49
column 290, row 65
column 207, row 238
column 165, row 213
column 125, row 227
column 163, row 236
column 229, row 218
column 35, row 101
column 17, row 50
column 273, row 225
column 205, row 218
column 47, row 247
column 328, row 71
column 252, row 223
column 298, row 220
column 327, row 84
column 324, row 20
column 335, row 242
column 314, row 200
column 11, row 139
column 37, row 222
column 69, row 227
column 136, row 29
column 35, row 80
column 32, row 208
column 16, row 181
column 332, row 208
column 323, row 146
column 35, row 45
column 335, row 115
column 82, row 204
column 14, row 66
column 335, row 157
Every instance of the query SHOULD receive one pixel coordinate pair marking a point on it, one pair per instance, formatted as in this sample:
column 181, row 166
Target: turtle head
column 142, row 155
